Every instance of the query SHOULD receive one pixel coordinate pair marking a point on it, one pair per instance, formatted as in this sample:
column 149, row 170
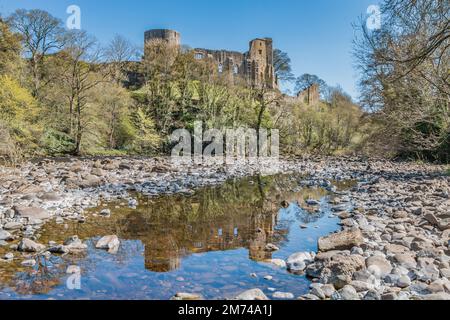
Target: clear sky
column 317, row 34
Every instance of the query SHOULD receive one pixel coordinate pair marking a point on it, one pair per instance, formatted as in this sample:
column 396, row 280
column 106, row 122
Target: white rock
column 110, row 243
column 283, row 295
column 253, row 294
column 29, row 263
column 299, row 261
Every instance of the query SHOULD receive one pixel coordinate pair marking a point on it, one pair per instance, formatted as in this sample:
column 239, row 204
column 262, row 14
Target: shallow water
column 208, row 243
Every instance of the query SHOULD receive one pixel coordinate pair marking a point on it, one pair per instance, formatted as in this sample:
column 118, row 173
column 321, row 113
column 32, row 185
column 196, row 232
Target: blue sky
column 317, row 34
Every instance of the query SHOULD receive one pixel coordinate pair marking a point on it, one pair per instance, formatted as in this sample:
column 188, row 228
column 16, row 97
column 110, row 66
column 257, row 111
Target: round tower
column 171, row 36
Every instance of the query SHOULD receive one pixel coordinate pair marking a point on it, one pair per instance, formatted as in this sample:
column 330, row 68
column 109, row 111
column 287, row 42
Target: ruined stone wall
column 260, row 63
column 310, row 96
column 254, row 67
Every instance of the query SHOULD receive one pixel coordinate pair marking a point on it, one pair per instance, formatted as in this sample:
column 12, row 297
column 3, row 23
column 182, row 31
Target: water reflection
column 243, row 214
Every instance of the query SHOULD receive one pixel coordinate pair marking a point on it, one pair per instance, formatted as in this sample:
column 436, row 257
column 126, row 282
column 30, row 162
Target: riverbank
column 395, row 221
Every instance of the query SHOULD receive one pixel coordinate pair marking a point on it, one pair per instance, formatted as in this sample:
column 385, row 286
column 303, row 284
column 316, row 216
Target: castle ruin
column 255, row 66
column 310, row 95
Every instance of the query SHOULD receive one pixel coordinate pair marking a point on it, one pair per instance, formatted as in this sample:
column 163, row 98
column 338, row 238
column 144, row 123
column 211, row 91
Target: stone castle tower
column 255, row 66
column 172, row 37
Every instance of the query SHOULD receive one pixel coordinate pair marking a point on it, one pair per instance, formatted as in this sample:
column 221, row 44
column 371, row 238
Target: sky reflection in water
column 208, row 243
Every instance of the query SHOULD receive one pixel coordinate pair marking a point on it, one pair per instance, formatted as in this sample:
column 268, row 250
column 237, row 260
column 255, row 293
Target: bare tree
column 404, row 75
column 41, row 34
column 82, row 72
column 119, row 53
column 306, row 80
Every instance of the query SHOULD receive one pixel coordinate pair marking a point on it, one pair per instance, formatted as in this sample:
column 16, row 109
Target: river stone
column 105, row 212
column 29, row 263
column 372, row 295
column 395, row 248
column 316, row 289
column 309, row 296
column 9, row 256
column 27, row 245
column 283, row 295
column 5, row 235
column 90, row 181
column 312, row 202
column 74, row 245
column 328, row 290
column 361, row 286
column 348, row 293
column 436, row 287
column 339, row 270
column 187, row 296
column 297, row 262
column 378, row 266
column 253, row 294
column 445, row 273
column 406, row 260
column 271, row 248
column 59, row 249
column 31, row 212
column 345, row 240
column 437, row 296
column 110, row 243
column 13, row 226
column 403, row 282
column 389, row 296
column 98, row 172
column 50, row 197
column 277, row 262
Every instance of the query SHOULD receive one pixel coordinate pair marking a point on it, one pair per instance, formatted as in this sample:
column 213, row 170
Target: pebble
column 283, row 295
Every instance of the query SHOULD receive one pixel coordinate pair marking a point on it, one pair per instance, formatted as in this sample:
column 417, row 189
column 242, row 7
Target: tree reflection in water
column 239, row 214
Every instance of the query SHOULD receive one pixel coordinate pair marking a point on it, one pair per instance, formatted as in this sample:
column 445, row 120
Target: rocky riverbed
column 394, row 242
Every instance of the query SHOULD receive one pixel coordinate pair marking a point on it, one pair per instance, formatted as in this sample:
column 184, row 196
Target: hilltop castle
column 255, row 66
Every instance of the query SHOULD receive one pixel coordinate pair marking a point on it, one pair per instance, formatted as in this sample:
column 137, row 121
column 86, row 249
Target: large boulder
column 345, row 240
column 340, row 269
column 31, row 212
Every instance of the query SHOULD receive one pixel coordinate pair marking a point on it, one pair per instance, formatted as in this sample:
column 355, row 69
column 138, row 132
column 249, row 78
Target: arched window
column 235, row 69
column 220, row 68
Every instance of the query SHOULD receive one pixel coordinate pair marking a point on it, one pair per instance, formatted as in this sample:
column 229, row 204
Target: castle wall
column 171, row 36
column 310, row 96
column 260, row 63
column 255, row 67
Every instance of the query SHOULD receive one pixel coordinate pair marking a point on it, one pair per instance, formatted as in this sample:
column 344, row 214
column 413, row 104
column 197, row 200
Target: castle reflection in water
column 236, row 215
column 240, row 214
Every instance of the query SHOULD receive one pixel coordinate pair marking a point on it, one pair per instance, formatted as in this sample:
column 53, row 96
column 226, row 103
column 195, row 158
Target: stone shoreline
column 394, row 244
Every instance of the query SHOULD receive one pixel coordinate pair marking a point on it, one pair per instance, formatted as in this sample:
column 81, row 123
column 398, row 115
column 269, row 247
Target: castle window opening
column 260, row 51
column 235, row 69
column 220, row 68
column 199, row 56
